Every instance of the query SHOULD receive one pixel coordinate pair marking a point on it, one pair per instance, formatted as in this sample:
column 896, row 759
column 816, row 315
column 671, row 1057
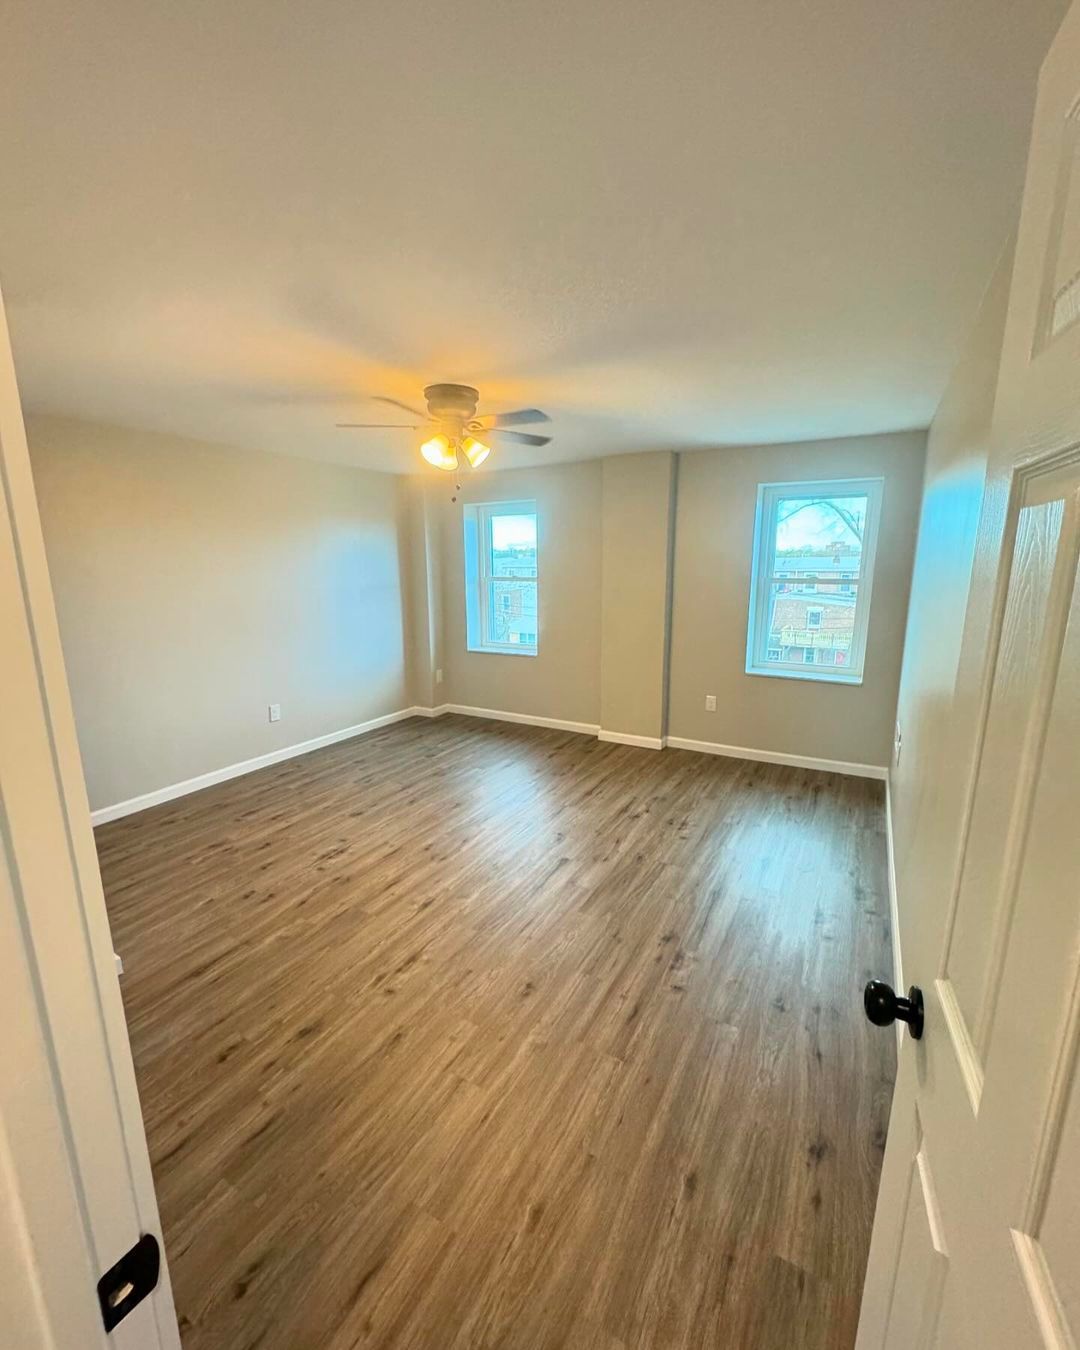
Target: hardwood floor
column 466, row 1034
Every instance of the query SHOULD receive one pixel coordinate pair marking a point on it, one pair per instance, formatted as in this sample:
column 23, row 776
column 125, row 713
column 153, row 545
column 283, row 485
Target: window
column 824, row 535
column 501, row 578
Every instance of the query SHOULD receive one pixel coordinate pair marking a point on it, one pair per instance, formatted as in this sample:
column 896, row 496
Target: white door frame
column 76, row 1190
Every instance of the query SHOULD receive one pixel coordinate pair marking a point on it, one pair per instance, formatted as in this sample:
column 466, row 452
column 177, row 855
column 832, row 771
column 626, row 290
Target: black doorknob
column 884, row 1008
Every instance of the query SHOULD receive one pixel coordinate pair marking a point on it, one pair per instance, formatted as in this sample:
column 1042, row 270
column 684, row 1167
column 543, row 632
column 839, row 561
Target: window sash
column 486, row 578
column 486, row 615
column 817, row 579
column 766, row 575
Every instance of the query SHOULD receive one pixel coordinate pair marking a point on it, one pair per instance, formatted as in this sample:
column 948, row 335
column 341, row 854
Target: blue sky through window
column 806, row 525
column 513, row 532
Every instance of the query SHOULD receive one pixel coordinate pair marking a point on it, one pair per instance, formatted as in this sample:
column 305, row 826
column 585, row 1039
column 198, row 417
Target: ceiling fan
column 451, row 410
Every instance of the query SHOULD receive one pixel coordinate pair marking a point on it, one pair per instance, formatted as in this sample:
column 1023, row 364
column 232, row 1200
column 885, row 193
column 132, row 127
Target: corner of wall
column 637, row 530
column 423, row 591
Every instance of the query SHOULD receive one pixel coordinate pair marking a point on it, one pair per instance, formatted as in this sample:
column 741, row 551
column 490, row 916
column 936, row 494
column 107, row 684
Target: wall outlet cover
column 275, row 712
column 438, row 676
column 710, row 702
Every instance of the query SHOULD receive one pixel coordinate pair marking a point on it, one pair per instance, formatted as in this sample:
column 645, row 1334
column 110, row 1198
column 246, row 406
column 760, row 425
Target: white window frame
column 477, row 517
column 764, row 572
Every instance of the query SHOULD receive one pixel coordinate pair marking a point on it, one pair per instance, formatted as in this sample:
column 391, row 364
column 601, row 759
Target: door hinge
column 128, row 1282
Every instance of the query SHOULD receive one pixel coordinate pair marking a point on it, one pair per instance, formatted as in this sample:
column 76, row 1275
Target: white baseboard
column 204, row 780
column 189, row 785
column 776, row 757
column 878, row 771
column 526, row 719
column 624, row 738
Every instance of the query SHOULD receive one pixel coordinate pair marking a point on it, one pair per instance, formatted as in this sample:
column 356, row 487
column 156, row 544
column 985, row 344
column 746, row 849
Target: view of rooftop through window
column 511, row 601
column 502, row 577
column 814, row 587
column 814, row 546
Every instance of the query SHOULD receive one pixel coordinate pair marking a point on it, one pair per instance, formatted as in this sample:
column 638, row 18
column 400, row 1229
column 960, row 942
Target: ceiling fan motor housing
column 452, row 402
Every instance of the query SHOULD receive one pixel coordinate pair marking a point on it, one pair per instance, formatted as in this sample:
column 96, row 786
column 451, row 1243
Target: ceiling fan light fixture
column 475, row 451
column 448, row 422
column 439, row 452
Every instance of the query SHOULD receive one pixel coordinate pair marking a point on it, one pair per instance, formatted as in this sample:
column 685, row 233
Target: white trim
column 764, row 573
column 776, row 757
column 624, row 738
column 518, row 649
column 894, row 900
column 821, row 675
column 204, row 780
column 494, row 715
column 479, row 547
column 894, row 905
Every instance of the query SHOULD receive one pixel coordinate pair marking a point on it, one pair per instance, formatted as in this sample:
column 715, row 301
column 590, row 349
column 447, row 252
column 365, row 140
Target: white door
column 75, row 1186
column 977, row 1235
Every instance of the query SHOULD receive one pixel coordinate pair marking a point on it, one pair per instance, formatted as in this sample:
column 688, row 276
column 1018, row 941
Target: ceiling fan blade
column 396, row 403
column 520, row 437
column 376, row 426
column 522, row 417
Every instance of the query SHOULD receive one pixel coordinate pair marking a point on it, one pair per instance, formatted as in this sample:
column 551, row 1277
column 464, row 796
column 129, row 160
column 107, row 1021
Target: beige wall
column 636, row 532
column 714, row 535
column 938, row 696
column 196, row 584
column 563, row 680
column 605, row 537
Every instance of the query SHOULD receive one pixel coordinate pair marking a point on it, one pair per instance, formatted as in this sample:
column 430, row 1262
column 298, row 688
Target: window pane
column 809, row 628
column 513, row 546
column 512, row 613
column 818, row 538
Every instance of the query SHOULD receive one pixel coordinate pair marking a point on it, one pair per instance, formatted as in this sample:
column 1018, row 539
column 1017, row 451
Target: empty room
column 541, row 676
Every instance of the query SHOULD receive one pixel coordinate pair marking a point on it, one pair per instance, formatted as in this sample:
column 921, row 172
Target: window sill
column 501, row 651
column 817, row 677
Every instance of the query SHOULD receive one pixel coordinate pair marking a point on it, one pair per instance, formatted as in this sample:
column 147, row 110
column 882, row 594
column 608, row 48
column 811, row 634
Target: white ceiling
column 670, row 223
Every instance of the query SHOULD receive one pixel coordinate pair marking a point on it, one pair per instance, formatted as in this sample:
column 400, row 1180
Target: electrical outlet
column 898, row 742
column 438, row 676
column 710, row 702
column 275, row 712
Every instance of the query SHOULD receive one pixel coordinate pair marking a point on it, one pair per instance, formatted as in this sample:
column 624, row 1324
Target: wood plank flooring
column 466, row 1034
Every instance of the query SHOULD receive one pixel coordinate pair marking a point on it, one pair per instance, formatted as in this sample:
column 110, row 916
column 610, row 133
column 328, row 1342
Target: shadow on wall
column 196, row 585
